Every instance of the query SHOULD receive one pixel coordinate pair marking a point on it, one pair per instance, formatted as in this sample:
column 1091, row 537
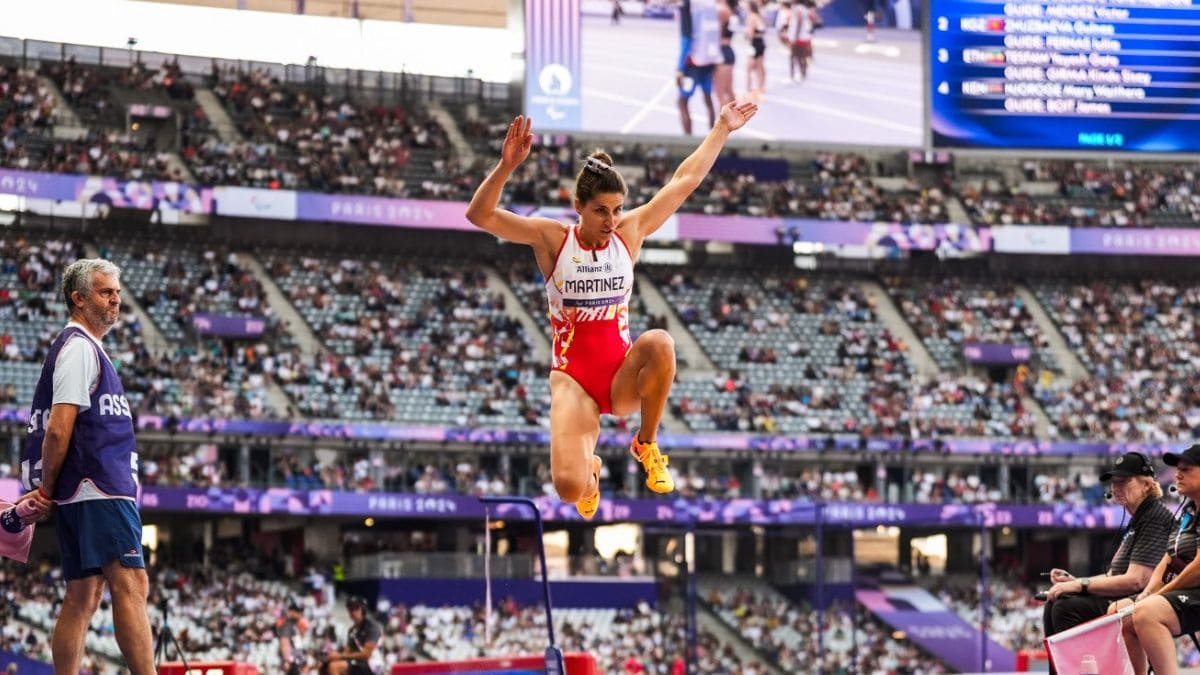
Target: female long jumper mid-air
column 589, row 280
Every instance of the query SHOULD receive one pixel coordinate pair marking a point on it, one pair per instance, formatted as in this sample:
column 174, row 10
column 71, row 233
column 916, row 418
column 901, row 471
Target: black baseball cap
column 1129, row 464
column 355, row 601
column 1192, row 455
column 294, row 606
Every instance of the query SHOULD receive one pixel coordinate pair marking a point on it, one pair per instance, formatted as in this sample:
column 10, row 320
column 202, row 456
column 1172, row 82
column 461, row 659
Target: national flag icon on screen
column 995, row 57
column 995, row 87
column 995, row 25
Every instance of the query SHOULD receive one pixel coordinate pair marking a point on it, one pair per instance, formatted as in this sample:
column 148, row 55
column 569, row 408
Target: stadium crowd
column 328, row 138
column 219, row 377
column 310, row 138
column 1136, row 341
column 783, row 633
column 231, row 608
column 1089, row 194
column 415, row 342
column 206, row 466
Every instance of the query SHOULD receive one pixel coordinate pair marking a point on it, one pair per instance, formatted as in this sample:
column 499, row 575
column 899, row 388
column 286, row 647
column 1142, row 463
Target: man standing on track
column 81, row 455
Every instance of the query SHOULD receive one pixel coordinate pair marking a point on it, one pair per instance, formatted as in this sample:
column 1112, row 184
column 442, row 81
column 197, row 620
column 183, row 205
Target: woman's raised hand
column 517, row 142
column 735, row 114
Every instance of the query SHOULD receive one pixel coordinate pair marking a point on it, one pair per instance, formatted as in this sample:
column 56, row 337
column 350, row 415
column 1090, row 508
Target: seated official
column 361, row 641
column 1072, row 601
column 1170, row 604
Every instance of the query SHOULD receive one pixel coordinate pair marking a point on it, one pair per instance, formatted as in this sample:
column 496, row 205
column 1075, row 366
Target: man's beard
column 99, row 317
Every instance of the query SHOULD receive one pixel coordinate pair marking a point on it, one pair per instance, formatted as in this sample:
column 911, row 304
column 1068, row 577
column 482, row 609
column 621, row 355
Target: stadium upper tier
column 250, row 128
column 409, row 340
column 403, row 339
column 803, row 354
column 1137, row 341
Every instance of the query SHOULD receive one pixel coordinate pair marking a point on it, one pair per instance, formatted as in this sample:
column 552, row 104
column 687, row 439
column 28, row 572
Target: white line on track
column 666, row 110
column 837, row 112
column 640, row 115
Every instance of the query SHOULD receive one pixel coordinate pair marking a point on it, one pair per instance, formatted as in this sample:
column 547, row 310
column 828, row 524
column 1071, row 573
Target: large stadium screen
column 1110, row 75
column 823, row 71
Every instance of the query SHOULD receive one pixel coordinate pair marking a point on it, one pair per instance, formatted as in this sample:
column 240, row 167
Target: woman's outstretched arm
column 651, row 216
column 484, row 211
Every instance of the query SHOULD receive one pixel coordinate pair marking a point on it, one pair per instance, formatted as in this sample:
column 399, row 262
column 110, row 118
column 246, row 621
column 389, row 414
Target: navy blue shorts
column 94, row 533
column 696, row 76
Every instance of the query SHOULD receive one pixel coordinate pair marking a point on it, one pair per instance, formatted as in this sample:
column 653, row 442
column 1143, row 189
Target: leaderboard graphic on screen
column 1119, row 75
column 824, row 71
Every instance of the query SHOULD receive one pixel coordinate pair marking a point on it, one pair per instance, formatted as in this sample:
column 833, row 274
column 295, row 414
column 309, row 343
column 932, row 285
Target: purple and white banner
column 1061, row 240
column 38, row 184
column 283, row 501
column 996, row 354
column 255, row 203
column 1108, row 241
column 146, row 196
column 423, row 213
column 1033, row 239
column 121, row 194
column 553, row 82
column 785, row 231
column 697, row 441
column 225, row 325
column 937, row 628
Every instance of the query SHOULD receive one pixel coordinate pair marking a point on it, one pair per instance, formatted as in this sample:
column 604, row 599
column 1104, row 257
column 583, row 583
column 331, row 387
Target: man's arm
column 54, row 445
column 41, row 507
column 75, row 372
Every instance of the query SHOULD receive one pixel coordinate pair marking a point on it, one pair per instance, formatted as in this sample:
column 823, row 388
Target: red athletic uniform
column 589, row 294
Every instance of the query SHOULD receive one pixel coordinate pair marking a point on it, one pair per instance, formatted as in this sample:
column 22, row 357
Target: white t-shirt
column 782, row 14
column 77, row 370
column 800, row 29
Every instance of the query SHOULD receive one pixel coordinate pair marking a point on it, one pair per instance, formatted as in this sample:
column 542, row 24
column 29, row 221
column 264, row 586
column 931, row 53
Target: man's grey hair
column 78, row 277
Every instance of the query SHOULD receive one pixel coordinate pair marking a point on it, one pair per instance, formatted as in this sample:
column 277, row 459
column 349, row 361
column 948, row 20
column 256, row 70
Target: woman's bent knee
column 660, row 343
column 571, row 485
column 660, row 350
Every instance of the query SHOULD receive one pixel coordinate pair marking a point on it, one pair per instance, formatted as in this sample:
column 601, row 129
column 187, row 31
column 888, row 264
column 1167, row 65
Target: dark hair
column 598, row 177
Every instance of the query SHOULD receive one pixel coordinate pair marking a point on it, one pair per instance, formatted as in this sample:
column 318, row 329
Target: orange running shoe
column 588, row 505
column 658, row 478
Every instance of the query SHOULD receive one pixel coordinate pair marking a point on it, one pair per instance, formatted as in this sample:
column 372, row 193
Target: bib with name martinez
column 589, row 291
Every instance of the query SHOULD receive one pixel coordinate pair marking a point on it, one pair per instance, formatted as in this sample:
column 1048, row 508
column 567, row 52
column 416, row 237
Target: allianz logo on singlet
column 592, row 269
